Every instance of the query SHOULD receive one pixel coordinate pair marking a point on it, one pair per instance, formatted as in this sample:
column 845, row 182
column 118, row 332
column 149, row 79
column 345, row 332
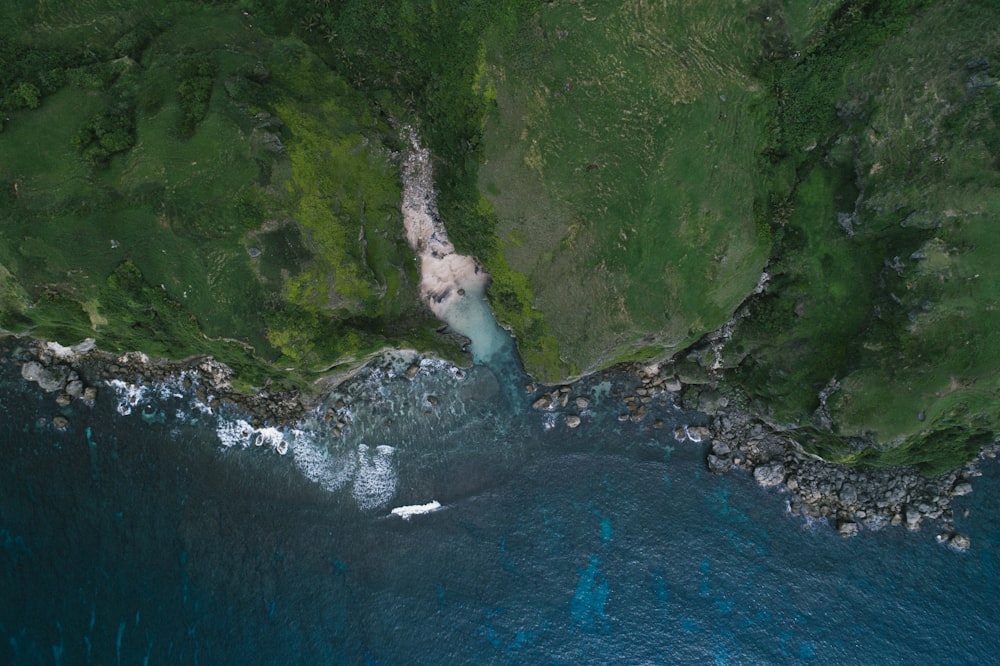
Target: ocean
column 154, row 530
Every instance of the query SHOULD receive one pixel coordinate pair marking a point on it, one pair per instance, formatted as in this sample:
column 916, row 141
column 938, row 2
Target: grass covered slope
column 185, row 184
column 621, row 160
column 884, row 267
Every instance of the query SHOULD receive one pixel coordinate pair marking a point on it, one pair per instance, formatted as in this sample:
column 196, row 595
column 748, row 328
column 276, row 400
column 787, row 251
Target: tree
column 26, row 96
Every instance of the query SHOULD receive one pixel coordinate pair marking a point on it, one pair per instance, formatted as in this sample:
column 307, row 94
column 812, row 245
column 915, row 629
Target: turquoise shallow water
column 139, row 539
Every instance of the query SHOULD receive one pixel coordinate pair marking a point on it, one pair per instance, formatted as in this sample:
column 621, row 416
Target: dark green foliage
column 808, row 91
column 421, row 58
column 135, row 41
column 195, row 80
column 27, row 75
column 112, row 131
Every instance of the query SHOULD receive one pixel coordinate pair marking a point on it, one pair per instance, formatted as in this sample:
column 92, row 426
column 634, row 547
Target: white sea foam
column 242, row 434
column 235, row 433
column 331, row 472
column 129, row 395
column 376, row 478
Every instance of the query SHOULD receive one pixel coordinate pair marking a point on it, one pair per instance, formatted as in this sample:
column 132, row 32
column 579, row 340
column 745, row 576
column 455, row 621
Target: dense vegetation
column 217, row 177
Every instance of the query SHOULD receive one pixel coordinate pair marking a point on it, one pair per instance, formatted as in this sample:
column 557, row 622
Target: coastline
column 851, row 499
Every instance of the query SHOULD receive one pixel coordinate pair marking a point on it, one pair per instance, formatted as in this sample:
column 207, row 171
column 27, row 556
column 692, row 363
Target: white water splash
column 241, row 434
column 407, row 512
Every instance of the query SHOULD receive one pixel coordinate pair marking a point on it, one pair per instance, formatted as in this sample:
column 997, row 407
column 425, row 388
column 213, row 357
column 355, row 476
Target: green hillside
column 219, row 177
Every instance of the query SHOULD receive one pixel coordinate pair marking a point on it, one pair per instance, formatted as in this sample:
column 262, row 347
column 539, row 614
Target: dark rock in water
column 718, row 464
column 572, row 421
column 74, row 389
column 63, row 399
column 848, row 528
column 960, row 489
column 959, row 542
column 49, row 379
column 60, row 423
column 542, row 403
column 412, row 371
column 90, row 394
column 720, row 448
column 769, row 475
column 698, row 433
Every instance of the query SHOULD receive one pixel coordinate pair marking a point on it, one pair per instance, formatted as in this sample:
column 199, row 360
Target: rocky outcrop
column 855, row 498
column 78, row 372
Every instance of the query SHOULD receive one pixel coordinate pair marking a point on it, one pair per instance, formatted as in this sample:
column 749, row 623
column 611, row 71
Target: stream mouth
column 452, row 285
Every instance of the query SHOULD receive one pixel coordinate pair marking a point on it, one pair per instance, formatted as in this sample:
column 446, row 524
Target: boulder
column 698, row 433
column 718, row 464
column 49, row 379
column 959, row 542
column 542, row 403
column 720, row 448
column 960, row 489
column 673, row 385
column 582, row 403
column 769, row 475
column 61, row 423
column 848, row 528
column 913, row 517
column 572, row 421
column 74, row 388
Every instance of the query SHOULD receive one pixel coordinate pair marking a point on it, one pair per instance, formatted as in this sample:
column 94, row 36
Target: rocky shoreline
column 852, row 499
column 80, row 372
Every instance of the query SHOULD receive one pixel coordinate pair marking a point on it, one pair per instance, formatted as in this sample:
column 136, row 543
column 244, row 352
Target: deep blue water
column 140, row 539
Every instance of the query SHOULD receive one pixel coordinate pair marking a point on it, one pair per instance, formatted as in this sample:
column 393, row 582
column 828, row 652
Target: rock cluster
column 561, row 399
column 852, row 497
column 75, row 373
column 52, row 368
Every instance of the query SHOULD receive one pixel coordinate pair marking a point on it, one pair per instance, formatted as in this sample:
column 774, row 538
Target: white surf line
column 407, row 512
column 452, row 285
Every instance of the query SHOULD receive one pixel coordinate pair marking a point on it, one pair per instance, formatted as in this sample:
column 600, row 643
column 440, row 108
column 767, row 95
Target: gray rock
column 720, row 448
column 960, row 489
column 959, row 542
column 698, row 433
column 542, row 403
column 673, row 385
column 49, row 379
column 572, row 421
column 848, row 528
column 848, row 494
column 769, row 475
column 913, row 517
column 582, row 403
column 74, row 389
column 719, row 465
